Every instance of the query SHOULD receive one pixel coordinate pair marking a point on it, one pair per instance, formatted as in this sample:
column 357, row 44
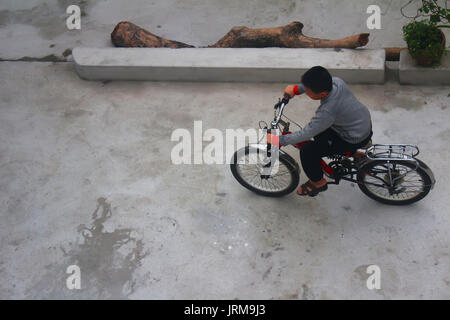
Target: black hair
column 318, row 79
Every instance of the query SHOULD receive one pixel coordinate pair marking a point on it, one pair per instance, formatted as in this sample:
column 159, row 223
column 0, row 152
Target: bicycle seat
column 367, row 145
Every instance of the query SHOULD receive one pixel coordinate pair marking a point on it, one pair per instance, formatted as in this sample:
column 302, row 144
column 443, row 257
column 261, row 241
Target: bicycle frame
column 325, row 167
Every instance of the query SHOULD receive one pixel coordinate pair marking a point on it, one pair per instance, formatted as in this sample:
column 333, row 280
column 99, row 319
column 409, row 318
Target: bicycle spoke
column 401, row 182
column 252, row 174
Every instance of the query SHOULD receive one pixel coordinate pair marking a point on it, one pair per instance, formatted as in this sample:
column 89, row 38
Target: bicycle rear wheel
column 395, row 182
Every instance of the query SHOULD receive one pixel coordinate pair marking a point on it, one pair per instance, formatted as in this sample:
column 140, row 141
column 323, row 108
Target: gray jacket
column 341, row 111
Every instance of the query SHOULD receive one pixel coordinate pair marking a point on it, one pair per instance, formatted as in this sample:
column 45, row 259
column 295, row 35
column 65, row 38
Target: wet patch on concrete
column 67, row 52
column 307, row 293
column 290, row 296
column 107, row 262
column 75, row 113
column 347, row 208
column 266, row 273
column 445, row 134
column 361, row 272
column 304, row 293
column 48, row 58
column 389, row 97
column 394, row 99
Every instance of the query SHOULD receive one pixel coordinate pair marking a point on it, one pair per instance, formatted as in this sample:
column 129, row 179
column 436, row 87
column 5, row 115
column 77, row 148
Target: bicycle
column 388, row 173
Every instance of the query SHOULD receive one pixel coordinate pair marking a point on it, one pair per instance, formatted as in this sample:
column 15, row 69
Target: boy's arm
column 321, row 121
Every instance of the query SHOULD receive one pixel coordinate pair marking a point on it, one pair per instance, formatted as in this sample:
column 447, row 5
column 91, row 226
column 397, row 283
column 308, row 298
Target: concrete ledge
column 227, row 64
column 411, row 73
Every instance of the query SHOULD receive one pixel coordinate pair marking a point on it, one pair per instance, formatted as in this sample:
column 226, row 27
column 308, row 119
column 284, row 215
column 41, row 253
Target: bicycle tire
column 293, row 171
column 362, row 186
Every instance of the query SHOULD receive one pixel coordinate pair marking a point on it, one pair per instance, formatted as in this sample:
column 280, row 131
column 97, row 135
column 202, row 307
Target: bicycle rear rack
column 393, row 152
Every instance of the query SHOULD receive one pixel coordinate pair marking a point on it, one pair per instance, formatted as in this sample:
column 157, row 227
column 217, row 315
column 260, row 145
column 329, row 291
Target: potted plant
column 425, row 39
column 426, row 42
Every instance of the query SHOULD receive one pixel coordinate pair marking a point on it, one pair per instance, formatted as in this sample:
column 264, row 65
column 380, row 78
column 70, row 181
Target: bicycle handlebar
column 280, row 105
column 284, row 101
column 286, row 98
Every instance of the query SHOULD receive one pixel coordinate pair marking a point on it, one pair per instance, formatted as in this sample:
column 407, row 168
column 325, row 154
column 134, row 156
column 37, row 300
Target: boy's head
column 317, row 82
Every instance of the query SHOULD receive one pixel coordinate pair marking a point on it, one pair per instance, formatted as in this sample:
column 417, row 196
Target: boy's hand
column 290, row 91
column 275, row 140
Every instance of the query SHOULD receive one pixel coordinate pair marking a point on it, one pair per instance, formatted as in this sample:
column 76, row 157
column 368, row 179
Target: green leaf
column 435, row 18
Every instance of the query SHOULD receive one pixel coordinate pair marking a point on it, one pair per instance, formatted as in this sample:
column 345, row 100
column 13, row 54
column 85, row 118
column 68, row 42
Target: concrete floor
column 86, row 179
column 77, row 154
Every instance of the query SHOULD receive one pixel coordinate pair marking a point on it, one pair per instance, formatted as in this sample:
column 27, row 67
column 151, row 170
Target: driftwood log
column 127, row 34
column 289, row 36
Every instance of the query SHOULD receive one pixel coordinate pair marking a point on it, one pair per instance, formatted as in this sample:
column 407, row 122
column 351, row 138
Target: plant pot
column 424, row 59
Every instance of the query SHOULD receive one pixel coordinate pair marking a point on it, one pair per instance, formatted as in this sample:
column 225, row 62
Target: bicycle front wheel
column 247, row 168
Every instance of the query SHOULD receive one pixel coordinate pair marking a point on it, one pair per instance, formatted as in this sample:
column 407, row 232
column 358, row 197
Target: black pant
column 326, row 143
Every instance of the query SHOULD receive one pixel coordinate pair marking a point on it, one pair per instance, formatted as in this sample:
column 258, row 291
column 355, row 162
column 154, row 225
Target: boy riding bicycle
column 341, row 123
